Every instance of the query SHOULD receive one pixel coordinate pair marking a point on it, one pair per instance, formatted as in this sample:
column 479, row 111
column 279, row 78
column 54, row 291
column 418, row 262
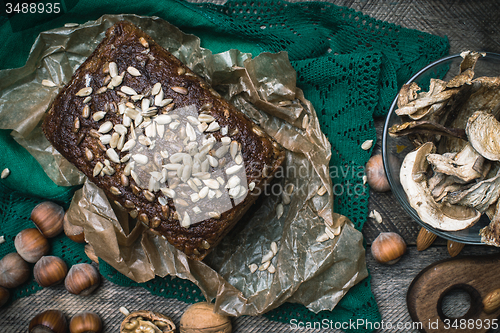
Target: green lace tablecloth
column 349, row 66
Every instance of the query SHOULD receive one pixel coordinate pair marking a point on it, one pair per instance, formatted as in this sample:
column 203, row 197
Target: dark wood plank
column 390, row 283
column 469, row 25
column 477, row 275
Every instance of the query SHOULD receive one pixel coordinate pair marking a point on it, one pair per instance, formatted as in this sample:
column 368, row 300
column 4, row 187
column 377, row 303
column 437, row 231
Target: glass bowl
column 445, row 69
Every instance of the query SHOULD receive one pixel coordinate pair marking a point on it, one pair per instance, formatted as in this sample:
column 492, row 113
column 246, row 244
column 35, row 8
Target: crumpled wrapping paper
column 316, row 274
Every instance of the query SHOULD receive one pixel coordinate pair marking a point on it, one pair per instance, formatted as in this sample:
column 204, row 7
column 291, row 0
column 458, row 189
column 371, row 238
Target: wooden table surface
column 469, row 25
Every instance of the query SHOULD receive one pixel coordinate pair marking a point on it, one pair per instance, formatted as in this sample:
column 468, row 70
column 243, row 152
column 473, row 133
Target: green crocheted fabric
column 25, row 187
column 350, row 67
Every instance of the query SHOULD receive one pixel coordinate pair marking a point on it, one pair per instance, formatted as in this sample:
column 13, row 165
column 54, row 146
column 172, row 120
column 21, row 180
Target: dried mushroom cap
column 441, row 216
column 483, row 132
column 462, row 166
column 425, row 127
column 407, row 93
column 490, row 212
column 426, row 105
column 483, row 94
column 480, row 196
column 466, row 69
column 428, row 111
column 420, row 165
column 435, row 180
column 470, row 59
column 491, row 233
column 446, row 185
column 425, row 101
column 147, row 321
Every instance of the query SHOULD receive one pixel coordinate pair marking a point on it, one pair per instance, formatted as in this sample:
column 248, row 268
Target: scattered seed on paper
column 48, row 83
column 253, row 268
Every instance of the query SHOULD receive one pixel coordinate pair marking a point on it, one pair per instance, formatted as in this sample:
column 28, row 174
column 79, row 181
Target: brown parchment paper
column 316, row 274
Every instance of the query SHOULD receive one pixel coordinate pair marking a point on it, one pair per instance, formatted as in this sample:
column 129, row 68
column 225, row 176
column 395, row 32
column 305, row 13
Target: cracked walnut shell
column 147, row 321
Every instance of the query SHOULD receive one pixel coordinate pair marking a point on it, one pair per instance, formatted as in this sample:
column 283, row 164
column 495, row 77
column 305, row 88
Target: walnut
column 147, row 321
column 200, row 317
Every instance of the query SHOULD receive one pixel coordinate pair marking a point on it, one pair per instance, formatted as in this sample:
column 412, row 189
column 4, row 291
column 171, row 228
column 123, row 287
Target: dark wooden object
column 476, row 275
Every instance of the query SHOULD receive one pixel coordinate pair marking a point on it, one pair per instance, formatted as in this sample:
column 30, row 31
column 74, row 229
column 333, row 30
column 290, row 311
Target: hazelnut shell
column 73, row 232
column 162, row 322
column 4, row 296
column 388, row 247
column 200, row 317
column 31, row 245
column 85, row 322
column 54, row 320
column 14, row 271
column 82, row 279
column 48, row 218
column 375, row 174
column 49, row 271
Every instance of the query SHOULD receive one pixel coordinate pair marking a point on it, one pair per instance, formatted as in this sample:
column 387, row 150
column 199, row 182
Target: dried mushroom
column 483, row 132
column 481, row 95
column 480, row 196
column 448, row 184
column 491, row 233
column 466, row 165
column 470, row 60
column 421, row 105
column 444, row 109
column 443, row 216
column 147, row 321
column 456, row 130
column 426, row 127
column 408, row 93
column 440, row 92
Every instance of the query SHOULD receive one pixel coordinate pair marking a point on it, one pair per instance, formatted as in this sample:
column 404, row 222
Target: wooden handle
column 476, row 275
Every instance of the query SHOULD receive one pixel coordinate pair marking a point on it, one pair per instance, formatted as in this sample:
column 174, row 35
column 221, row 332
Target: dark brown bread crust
column 73, row 134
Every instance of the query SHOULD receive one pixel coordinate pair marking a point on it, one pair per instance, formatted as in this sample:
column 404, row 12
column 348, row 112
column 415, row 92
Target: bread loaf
column 160, row 141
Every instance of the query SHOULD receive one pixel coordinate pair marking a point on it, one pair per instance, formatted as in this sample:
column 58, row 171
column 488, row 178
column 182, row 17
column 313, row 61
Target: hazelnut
column 48, row 218
column 147, row 321
column 85, row 322
column 82, row 279
column 73, row 232
column 14, row 271
column 50, row 321
column 200, row 317
column 4, row 296
column 50, row 270
column 375, row 173
column 31, row 245
column 388, row 247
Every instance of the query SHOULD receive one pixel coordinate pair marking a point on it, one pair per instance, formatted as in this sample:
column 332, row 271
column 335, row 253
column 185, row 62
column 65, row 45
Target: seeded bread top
column 160, row 141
